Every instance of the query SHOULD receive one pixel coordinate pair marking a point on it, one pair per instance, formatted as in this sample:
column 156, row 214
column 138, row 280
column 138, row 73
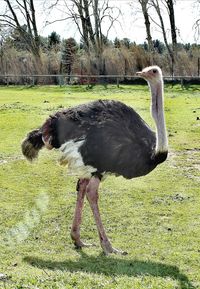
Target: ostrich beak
column 139, row 73
column 142, row 74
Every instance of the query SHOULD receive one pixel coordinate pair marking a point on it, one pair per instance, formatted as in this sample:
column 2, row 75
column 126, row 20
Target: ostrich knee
column 92, row 190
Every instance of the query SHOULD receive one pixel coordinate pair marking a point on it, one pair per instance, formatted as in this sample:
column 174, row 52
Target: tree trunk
column 144, row 4
column 88, row 22
column 170, row 5
column 170, row 51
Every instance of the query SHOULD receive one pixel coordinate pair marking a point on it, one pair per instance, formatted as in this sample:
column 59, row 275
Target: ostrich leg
column 92, row 196
column 75, row 231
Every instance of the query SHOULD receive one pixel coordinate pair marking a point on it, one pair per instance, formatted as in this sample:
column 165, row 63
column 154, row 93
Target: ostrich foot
column 77, row 241
column 79, row 244
column 108, row 249
column 115, row 251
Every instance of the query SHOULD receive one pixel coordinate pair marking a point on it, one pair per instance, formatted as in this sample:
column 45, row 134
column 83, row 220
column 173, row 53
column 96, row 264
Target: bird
column 102, row 138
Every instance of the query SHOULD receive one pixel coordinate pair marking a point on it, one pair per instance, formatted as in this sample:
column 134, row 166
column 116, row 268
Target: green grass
column 155, row 218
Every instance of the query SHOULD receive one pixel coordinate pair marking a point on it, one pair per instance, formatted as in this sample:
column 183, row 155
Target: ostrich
column 100, row 138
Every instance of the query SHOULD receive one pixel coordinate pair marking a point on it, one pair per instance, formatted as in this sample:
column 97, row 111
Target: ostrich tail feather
column 32, row 144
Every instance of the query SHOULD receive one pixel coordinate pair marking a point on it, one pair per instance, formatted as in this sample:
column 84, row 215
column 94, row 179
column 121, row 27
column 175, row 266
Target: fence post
column 61, row 80
column 88, row 82
column 117, row 82
column 182, row 86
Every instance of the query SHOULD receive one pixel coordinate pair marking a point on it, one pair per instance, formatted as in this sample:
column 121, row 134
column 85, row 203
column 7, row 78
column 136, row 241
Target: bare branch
column 11, row 18
column 58, row 20
column 13, row 13
column 8, row 23
column 54, row 4
column 196, row 27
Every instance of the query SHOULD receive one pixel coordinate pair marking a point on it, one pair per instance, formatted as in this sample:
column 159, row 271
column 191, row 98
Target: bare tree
column 20, row 16
column 145, row 6
column 89, row 16
column 157, row 7
column 170, row 8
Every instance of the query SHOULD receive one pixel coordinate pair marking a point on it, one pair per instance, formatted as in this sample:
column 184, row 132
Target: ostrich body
column 104, row 137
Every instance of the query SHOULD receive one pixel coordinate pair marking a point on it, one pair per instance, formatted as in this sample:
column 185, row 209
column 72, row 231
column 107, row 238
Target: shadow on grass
column 113, row 266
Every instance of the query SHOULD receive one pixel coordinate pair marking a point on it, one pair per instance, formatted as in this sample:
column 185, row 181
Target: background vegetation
column 23, row 51
column 121, row 57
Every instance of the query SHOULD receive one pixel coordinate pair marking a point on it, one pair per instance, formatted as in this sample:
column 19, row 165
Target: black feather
column 117, row 140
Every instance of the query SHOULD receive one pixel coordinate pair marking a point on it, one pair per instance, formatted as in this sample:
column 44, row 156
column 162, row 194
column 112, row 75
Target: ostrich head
column 152, row 74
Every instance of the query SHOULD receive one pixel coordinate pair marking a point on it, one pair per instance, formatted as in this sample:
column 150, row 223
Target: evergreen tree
column 158, row 46
column 68, row 55
column 117, row 43
column 53, row 39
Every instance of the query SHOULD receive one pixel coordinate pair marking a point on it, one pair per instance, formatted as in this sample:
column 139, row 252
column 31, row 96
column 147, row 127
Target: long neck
column 157, row 110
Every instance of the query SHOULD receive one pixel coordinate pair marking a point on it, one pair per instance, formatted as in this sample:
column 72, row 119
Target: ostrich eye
column 154, row 70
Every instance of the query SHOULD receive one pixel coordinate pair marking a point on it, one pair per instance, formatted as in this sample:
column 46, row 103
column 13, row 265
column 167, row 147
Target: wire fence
column 90, row 80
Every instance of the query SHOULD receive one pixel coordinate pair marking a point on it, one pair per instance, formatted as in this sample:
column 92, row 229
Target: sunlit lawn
column 156, row 218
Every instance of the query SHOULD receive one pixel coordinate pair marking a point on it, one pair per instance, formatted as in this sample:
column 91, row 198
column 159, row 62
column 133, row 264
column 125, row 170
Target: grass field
column 156, row 218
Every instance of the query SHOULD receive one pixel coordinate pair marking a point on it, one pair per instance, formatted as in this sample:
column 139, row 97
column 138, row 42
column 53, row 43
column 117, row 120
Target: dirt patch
column 175, row 198
column 17, row 106
column 187, row 161
column 2, row 162
column 10, row 160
